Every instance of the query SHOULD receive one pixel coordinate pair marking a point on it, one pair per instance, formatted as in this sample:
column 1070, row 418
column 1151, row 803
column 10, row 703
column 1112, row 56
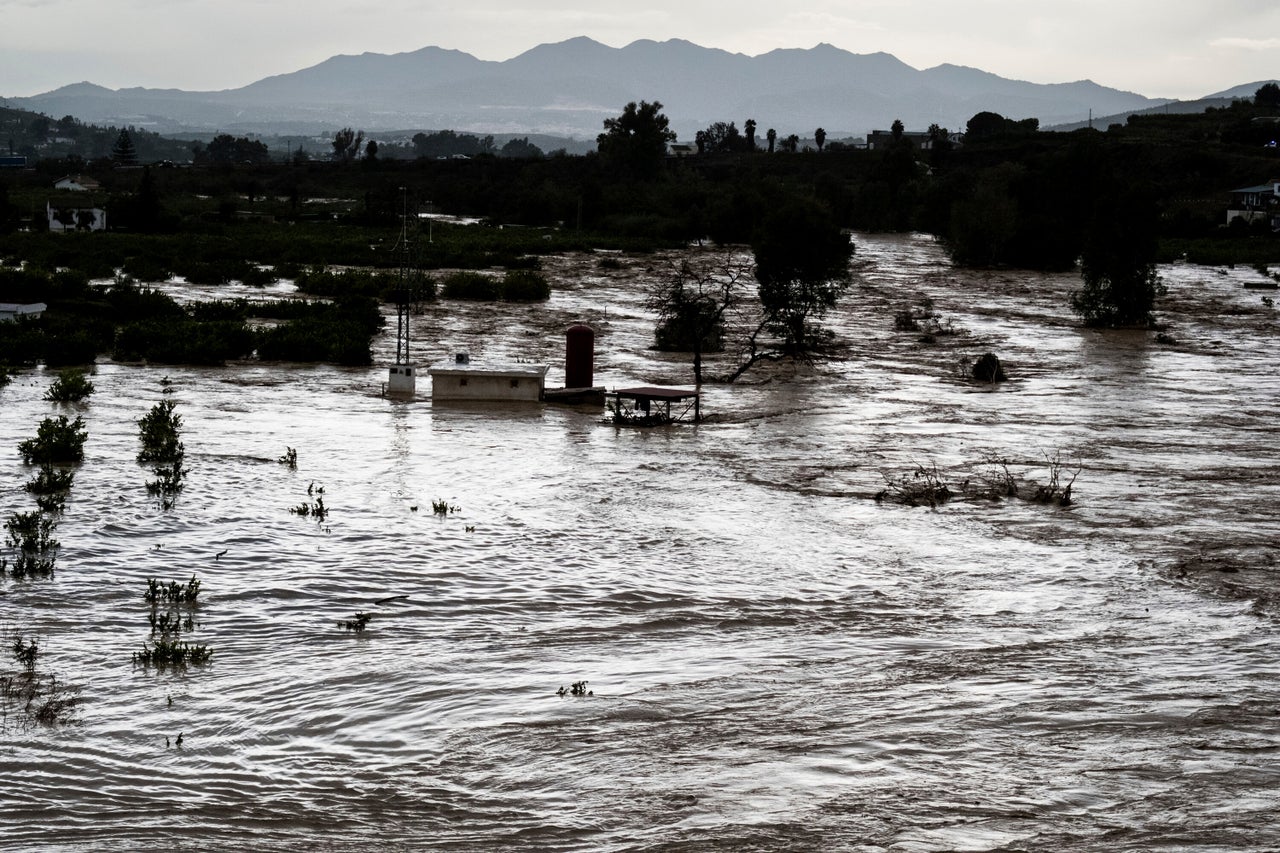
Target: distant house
column 881, row 139
column 1256, row 204
column 76, row 183
column 11, row 311
column 681, row 149
column 70, row 218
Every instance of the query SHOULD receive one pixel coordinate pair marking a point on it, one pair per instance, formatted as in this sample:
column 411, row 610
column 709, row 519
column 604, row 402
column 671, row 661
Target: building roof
column 83, row 180
column 516, row 369
column 17, row 309
column 655, row 392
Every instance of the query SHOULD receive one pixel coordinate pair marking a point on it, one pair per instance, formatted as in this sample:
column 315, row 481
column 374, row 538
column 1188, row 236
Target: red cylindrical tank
column 579, row 356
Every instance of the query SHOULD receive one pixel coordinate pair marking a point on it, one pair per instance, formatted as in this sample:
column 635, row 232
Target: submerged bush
column 321, row 282
column 525, row 286
column 184, row 341
column 71, row 386
column 517, row 285
column 988, row 368
column 30, row 534
column 340, row 332
column 472, row 285
column 172, row 612
column 158, row 432
column 57, row 440
column 50, row 480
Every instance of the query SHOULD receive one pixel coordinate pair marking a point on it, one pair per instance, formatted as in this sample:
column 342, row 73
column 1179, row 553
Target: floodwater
column 776, row 660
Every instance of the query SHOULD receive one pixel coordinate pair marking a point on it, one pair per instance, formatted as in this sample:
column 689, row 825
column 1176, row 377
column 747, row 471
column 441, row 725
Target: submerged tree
column 802, row 265
column 1118, row 262
column 692, row 302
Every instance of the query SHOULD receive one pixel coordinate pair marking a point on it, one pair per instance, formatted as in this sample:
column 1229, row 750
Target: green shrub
column 130, row 304
column 318, row 340
column 146, row 269
column 158, row 433
column 472, row 285
column 321, row 282
column 31, row 535
column 219, row 309
column 71, row 386
column 525, row 286
column 183, row 341
column 57, row 441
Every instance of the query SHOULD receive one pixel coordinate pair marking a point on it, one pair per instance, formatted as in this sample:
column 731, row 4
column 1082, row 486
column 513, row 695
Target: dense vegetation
column 1152, row 189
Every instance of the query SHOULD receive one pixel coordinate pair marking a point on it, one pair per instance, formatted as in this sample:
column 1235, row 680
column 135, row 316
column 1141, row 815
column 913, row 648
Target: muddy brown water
column 776, row 660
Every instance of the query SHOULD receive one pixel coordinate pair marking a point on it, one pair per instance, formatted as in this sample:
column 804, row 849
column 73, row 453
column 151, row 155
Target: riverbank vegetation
column 1119, row 200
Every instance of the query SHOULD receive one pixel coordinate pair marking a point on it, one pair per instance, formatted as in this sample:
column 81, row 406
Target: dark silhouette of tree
column 749, row 128
column 820, row 138
column 1117, row 263
column 146, row 207
column 347, row 144
column 521, row 149
column 371, row 150
column 896, row 129
column 986, row 125
column 225, row 149
column 939, row 144
column 1268, row 95
column 791, row 143
column 984, row 219
column 446, row 143
column 802, row 265
column 721, row 138
column 123, row 152
column 636, row 141
column 772, row 136
column 692, row 300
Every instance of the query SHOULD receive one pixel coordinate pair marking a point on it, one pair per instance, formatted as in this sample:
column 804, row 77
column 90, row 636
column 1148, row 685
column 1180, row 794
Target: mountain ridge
column 570, row 87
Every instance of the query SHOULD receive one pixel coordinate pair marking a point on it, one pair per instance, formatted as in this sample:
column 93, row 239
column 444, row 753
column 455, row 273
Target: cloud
column 1250, row 44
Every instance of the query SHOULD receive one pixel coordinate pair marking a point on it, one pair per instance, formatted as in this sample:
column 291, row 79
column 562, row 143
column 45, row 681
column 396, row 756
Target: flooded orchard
column 775, row 659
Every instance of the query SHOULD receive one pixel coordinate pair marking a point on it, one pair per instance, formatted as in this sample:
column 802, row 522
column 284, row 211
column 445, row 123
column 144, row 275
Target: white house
column 11, row 311
column 67, row 218
column 462, row 381
column 1256, row 203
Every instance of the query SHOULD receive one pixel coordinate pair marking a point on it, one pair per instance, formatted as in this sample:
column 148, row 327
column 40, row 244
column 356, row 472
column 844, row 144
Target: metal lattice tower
column 404, row 282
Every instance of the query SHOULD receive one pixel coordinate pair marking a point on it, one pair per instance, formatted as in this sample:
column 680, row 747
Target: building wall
column 453, row 386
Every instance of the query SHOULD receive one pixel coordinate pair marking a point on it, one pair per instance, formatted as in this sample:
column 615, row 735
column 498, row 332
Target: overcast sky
column 1158, row 48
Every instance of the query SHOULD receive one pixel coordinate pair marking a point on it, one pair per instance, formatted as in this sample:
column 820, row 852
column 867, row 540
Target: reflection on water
column 777, row 661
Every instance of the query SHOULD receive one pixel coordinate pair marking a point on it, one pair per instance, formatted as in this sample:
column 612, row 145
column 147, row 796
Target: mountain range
column 570, row 87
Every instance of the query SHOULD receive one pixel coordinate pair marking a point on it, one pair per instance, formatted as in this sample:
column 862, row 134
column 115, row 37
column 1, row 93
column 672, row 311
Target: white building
column 465, row 382
column 11, row 311
column 77, row 218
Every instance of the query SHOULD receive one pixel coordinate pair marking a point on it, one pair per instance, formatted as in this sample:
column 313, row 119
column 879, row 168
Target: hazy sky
column 1159, row 48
